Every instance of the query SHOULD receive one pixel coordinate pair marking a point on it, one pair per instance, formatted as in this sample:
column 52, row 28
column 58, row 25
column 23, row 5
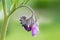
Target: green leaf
column 0, row 5
column 26, row 1
column 9, row 4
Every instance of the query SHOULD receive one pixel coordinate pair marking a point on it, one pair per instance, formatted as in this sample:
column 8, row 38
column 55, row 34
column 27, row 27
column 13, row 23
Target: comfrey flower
column 30, row 24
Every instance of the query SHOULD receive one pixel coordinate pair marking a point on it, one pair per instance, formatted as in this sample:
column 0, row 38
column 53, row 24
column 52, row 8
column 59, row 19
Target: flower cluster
column 30, row 24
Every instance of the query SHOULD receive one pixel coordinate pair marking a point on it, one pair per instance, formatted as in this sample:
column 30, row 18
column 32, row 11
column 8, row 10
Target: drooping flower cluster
column 30, row 24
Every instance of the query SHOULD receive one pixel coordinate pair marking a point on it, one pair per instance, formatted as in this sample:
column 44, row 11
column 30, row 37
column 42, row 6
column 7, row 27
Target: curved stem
column 20, row 7
column 13, row 9
column 30, row 9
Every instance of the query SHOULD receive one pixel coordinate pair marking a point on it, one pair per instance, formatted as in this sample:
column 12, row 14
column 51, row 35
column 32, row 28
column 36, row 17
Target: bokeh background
column 48, row 14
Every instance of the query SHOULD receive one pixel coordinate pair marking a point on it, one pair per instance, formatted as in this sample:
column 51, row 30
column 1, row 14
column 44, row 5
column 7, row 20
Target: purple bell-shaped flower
column 31, row 23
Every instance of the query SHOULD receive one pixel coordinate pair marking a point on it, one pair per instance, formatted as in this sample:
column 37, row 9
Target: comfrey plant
column 29, row 24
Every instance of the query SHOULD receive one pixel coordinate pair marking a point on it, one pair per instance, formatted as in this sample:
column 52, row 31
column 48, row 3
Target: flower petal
column 27, row 28
column 35, row 29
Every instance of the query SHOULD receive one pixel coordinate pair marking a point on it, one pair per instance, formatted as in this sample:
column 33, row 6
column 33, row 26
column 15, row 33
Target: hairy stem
column 29, row 9
column 20, row 7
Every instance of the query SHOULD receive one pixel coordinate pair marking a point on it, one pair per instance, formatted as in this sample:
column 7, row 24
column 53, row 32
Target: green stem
column 4, row 27
column 4, row 7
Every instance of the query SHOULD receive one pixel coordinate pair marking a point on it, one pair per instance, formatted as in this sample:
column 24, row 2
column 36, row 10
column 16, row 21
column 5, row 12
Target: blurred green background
column 48, row 14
